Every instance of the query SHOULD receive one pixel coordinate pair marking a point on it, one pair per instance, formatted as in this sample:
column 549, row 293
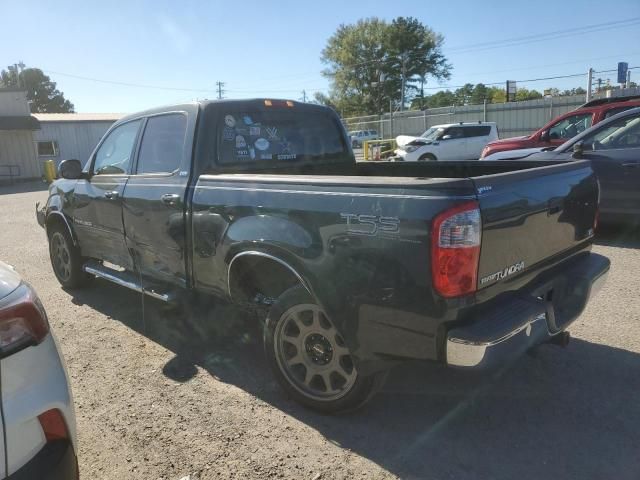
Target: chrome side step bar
column 124, row 279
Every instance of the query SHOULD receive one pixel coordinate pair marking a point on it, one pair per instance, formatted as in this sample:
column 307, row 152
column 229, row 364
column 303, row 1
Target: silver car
column 37, row 418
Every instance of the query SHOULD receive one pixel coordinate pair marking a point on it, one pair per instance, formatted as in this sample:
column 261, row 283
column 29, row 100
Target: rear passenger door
column 477, row 138
column 154, row 199
column 614, row 151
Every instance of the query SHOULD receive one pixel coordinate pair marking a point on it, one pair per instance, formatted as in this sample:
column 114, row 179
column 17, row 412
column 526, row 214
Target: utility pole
column 589, row 83
column 628, row 84
column 220, row 84
column 304, row 96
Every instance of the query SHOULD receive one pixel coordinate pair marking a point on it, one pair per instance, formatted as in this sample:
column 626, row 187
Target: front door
column 154, row 199
column 97, row 211
column 568, row 127
column 453, row 144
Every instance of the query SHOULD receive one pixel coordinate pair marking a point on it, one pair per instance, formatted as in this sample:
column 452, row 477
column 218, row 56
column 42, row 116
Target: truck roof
column 233, row 103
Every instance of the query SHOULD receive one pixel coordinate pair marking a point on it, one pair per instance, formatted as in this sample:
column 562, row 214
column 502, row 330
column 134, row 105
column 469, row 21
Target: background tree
column 366, row 62
column 525, row 94
column 41, row 91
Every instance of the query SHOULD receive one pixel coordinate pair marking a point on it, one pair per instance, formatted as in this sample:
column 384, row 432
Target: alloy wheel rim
column 312, row 355
column 61, row 256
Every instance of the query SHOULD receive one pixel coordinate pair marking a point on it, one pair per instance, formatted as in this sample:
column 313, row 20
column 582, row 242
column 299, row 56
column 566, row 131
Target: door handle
column 170, row 198
column 113, row 194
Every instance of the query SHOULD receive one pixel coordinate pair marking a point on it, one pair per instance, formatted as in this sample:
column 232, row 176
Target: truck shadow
column 563, row 413
column 621, row 236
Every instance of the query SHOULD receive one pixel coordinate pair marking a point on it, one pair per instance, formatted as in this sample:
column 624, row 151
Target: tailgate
column 531, row 215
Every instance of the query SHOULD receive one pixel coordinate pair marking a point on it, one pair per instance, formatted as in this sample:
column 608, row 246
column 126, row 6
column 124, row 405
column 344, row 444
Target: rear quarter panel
column 364, row 252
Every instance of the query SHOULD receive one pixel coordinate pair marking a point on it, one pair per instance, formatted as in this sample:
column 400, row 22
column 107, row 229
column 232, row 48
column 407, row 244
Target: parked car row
column 604, row 131
column 564, row 127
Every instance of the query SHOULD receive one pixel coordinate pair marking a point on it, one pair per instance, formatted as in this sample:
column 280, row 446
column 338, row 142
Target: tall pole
column 589, row 83
column 628, row 84
column 404, row 68
column 220, row 84
column 391, row 117
column 304, row 96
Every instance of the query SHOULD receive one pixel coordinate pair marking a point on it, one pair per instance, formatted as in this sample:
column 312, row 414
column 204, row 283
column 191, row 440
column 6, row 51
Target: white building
column 70, row 135
column 18, row 159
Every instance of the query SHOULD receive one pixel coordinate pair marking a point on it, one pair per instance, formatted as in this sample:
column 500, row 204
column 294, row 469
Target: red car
column 566, row 126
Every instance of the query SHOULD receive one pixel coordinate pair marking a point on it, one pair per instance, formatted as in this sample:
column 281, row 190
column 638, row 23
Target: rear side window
column 278, row 136
column 615, row 111
column 162, row 144
column 479, row 131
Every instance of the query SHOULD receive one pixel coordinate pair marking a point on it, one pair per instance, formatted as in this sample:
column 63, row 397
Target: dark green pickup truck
column 360, row 265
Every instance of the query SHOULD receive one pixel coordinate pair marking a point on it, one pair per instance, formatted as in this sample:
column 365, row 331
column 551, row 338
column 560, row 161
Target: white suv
column 38, row 424
column 455, row 141
column 359, row 136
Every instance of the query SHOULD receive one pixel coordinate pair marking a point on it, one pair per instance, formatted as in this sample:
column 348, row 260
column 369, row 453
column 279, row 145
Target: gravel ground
column 164, row 396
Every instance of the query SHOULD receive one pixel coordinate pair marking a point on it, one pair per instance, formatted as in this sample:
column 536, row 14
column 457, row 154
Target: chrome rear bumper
column 513, row 327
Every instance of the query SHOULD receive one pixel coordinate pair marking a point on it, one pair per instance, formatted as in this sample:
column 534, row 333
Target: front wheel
column 427, row 157
column 310, row 359
column 65, row 259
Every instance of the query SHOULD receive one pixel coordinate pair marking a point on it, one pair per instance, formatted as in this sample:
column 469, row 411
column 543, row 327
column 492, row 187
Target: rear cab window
column 479, row 131
column 255, row 136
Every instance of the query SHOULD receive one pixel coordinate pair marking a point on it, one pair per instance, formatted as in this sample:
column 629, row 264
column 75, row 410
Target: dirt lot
column 159, row 396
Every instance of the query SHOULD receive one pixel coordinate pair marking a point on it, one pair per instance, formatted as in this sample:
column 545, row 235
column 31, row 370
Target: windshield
column 434, row 133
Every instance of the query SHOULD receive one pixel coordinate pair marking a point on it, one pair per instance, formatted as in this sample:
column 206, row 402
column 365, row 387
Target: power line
column 220, row 91
column 517, row 41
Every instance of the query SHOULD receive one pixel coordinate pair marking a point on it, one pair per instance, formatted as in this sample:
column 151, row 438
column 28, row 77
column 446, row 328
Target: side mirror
column 70, row 169
column 578, row 149
column 544, row 136
column 446, row 137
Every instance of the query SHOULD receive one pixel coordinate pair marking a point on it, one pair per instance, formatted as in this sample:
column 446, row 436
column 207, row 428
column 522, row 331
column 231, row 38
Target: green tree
column 525, row 94
column 479, row 94
column 41, row 91
column 367, row 62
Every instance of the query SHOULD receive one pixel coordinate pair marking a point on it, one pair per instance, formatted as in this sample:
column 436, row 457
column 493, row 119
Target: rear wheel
column 427, row 157
column 310, row 359
column 65, row 259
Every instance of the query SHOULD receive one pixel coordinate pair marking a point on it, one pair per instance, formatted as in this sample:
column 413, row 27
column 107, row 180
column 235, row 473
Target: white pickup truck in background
column 454, row 141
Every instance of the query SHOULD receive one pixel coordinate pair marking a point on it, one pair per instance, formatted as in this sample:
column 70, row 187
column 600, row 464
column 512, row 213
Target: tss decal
column 371, row 225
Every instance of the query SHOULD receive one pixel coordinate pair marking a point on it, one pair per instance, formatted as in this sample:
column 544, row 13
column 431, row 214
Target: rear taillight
column 455, row 250
column 22, row 321
column 53, row 425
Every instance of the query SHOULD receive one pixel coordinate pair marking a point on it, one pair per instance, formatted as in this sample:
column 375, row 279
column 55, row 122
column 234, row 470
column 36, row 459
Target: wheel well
column 257, row 279
column 56, row 220
column 429, row 155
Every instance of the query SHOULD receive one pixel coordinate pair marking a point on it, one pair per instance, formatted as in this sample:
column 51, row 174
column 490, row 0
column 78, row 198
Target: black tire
column 323, row 357
column 427, row 157
column 65, row 259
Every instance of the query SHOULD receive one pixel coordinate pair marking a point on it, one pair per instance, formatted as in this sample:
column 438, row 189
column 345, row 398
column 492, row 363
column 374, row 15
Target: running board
column 124, row 279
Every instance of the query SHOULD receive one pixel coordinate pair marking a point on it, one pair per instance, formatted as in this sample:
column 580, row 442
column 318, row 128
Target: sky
column 272, row 49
